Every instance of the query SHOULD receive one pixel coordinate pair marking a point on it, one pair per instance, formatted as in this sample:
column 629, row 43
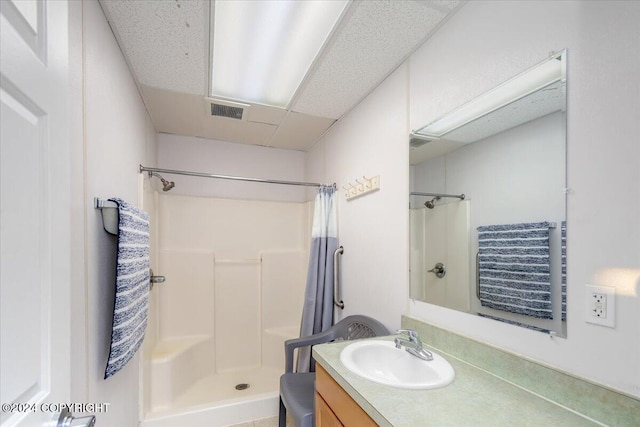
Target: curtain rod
column 459, row 196
column 235, row 178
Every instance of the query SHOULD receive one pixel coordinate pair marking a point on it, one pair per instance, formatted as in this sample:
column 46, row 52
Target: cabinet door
column 324, row 415
column 338, row 401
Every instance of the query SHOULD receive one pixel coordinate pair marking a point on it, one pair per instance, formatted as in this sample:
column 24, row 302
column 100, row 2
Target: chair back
column 358, row 327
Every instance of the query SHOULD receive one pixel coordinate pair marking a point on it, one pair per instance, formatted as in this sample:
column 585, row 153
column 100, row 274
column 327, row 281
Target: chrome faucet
column 413, row 345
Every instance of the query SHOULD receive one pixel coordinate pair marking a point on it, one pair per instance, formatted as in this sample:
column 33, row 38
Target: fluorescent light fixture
column 263, row 49
column 538, row 77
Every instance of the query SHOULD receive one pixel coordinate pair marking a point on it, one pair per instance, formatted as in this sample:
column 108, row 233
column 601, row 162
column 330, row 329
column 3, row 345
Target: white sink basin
column 382, row 362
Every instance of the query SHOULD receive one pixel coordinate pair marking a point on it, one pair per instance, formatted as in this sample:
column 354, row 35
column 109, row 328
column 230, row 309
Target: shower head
column 166, row 185
column 431, row 203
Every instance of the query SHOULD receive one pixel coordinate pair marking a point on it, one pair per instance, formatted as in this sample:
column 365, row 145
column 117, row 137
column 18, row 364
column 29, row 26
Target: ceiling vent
column 228, row 109
column 417, row 141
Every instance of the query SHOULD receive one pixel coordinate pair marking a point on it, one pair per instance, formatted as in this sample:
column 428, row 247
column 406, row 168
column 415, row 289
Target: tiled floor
column 265, row 422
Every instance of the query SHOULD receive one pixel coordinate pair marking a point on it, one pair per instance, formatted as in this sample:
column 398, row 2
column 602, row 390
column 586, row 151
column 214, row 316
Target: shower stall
column 235, row 276
column 440, row 250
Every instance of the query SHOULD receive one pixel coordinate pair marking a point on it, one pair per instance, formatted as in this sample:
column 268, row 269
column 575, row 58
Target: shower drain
column 242, row 386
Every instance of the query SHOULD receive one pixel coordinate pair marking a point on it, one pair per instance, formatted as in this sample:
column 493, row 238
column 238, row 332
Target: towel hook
column 367, row 181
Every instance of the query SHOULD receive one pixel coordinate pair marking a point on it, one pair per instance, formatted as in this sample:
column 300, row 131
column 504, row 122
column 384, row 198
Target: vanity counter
column 475, row 397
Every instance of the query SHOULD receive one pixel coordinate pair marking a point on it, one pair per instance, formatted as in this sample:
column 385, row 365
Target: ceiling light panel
column 263, row 49
column 526, row 83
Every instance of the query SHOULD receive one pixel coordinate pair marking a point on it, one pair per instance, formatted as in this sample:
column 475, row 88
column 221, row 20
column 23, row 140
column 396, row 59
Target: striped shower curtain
column 317, row 312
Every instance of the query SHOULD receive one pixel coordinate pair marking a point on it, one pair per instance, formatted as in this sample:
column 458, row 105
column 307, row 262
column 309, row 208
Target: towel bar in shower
column 336, row 277
column 478, row 274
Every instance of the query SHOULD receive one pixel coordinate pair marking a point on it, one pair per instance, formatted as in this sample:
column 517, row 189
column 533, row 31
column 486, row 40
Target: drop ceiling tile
column 376, row 37
column 173, row 112
column 266, row 114
column 300, row 131
column 231, row 130
column 184, row 114
column 164, row 41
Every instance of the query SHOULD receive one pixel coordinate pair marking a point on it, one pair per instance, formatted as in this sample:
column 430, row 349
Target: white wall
column 208, row 156
column 484, row 44
column 373, row 229
column 118, row 136
column 79, row 357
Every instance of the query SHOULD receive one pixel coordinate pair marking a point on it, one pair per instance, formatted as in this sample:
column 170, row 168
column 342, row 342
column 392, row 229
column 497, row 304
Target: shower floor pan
column 214, row 400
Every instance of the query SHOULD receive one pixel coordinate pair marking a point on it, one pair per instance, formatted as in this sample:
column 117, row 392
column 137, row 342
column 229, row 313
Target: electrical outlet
column 600, row 305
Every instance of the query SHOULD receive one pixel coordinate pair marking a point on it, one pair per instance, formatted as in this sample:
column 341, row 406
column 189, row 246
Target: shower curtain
column 317, row 312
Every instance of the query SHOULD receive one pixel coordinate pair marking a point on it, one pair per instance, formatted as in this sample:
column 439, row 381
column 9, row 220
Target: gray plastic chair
column 297, row 389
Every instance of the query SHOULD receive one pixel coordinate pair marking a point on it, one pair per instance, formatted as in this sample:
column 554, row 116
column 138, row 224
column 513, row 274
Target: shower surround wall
column 235, row 275
column 441, row 235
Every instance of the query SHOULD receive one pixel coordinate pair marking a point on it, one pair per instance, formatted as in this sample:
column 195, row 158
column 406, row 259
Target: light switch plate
column 600, row 305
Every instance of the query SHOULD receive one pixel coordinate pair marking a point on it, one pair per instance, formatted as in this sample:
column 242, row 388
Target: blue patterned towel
column 132, row 286
column 563, row 263
column 513, row 269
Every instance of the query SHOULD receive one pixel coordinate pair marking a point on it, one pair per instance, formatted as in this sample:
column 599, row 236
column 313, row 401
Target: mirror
column 488, row 203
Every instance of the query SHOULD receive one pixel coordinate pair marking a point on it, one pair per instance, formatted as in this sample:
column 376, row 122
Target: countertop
column 474, row 398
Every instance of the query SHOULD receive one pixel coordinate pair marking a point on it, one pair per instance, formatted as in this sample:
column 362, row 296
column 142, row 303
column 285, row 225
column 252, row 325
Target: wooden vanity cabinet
column 334, row 406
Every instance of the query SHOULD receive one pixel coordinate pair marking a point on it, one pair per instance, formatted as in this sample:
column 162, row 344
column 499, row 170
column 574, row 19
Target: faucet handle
column 413, row 335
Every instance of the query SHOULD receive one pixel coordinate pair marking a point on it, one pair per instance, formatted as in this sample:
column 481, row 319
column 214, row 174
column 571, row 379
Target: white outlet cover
column 610, row 320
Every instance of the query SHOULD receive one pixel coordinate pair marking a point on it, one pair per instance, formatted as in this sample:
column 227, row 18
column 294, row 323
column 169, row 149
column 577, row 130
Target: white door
column 34, row 208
